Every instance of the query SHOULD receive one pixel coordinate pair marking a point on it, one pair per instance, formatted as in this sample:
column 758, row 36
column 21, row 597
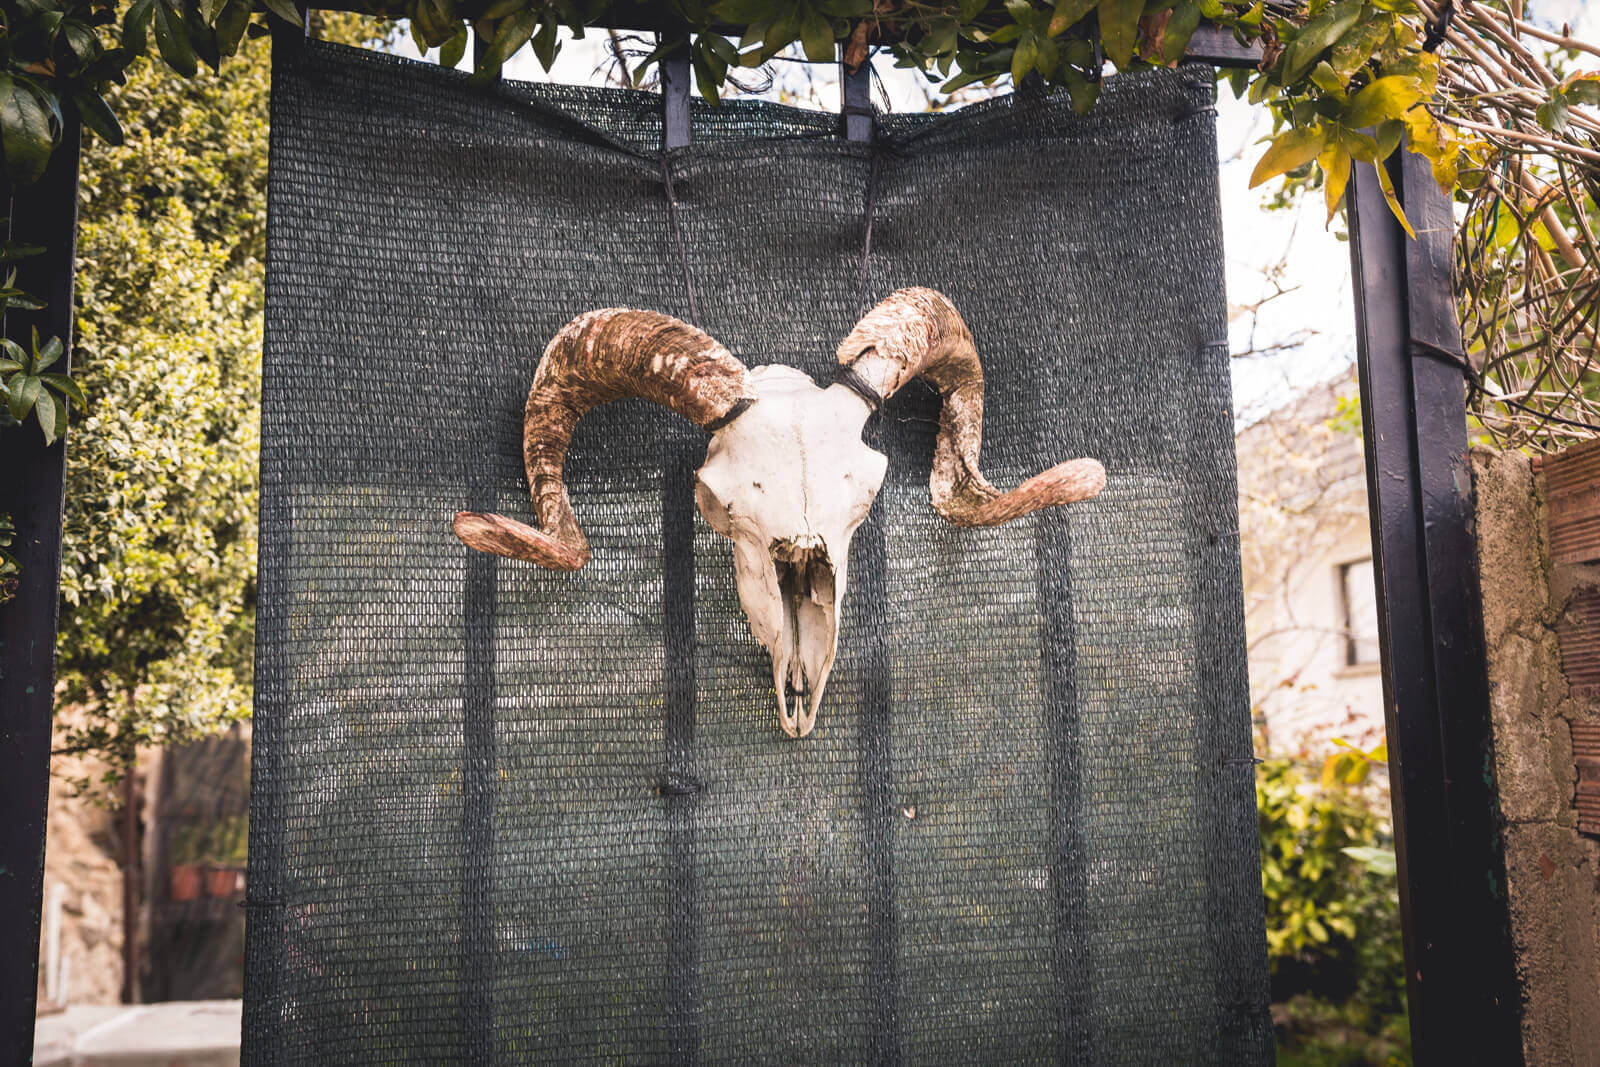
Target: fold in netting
column 502, row 814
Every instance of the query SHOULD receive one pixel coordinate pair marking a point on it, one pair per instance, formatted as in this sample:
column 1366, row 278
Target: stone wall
column 1553, row 872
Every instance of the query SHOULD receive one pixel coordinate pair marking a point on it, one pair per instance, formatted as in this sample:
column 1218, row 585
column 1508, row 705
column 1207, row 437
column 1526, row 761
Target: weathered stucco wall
column 1553, row 872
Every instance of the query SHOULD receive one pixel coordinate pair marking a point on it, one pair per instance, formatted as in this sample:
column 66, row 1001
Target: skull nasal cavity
column 798, row 549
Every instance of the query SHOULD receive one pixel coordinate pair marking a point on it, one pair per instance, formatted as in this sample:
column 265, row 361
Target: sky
column 1308, row 331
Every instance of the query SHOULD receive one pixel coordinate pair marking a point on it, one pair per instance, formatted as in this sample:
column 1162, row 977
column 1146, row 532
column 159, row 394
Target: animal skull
column 787, row 477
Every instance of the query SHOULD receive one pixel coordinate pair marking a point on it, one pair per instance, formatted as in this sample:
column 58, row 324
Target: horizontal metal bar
column 1211, row 43
column 1217, row 45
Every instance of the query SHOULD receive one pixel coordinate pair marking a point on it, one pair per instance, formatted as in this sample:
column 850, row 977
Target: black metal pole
column 682, row 452
column 31, row 492
column 478, row 763
column 1460, row 975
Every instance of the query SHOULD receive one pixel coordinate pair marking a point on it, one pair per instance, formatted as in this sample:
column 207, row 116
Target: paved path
column 188, row 1033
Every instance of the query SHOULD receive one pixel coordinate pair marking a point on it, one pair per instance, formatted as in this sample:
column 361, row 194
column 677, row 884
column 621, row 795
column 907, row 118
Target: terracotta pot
column 222, row 881
column 184, row 882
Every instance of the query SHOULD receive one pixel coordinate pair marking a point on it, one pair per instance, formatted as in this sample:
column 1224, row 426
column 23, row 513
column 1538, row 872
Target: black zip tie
column 1242, row 761
column 740, row 406
column 1439, row 27
column 677, row 233
column 851, row 379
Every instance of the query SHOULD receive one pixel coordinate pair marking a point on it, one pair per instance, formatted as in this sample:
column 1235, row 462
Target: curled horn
column 918, row 332
column 599, row 357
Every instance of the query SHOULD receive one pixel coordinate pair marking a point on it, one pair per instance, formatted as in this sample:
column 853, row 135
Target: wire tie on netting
column 1195, row 112
column 1439, row 27
column 677, row 233
column 1242, row 761
column 676, row 784
column 254, row 904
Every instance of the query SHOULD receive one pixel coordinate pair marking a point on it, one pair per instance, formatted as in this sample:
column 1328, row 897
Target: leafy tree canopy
column 158, row 571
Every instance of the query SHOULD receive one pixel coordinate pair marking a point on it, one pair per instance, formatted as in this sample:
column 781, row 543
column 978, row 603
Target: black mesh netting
column 502, row 814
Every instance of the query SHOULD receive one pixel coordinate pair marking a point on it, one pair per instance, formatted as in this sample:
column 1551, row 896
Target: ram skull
column 787, row 477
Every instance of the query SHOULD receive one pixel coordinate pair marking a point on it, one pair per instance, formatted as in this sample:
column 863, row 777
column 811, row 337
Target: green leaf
column 1388, row 137
column 1067, row 15
column 136, row 26
column 451, row 51
column 18, row 298
column 8, row 365
column 1180, row 28
column 721, row 47
column 706, row 79
column 66, row 386
column 231, row 26
column 1351, row 52
column 52, row 416
column 742, row 12
column 1379, row 861
column 1291, row 150
column 1119, row 28
column 1082, row 91
column 716, row 69
column 286, row 10
column 1315, row 37
column 30, row 124
column 1360, row 146
column 21, row 392
column 1324, row 77
column 1211, row 9
column 1385, row 99
column 172, row 40
column 1024, row 58
column 98, row 116
column 512, row 33
column 1554, row 114
column 49, row 353
column 546, row 42
column 1584, row 91
column 1048, row 59
column 816, row 37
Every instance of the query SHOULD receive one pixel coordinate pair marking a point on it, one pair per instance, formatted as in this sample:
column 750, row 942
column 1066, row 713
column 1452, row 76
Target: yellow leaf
column 1294, row 148
column 1385, row 99
column 1394, row 201
column 1335, row 164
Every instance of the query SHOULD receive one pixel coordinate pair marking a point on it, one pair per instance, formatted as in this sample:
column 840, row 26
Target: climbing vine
column 1478, row 89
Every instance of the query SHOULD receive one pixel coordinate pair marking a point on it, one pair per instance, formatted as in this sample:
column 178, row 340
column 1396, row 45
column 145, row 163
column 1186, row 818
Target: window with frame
column 1358, row 604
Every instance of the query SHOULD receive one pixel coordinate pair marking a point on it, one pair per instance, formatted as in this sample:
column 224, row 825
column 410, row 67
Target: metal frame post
column 1460, row 973
column 32, row 492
